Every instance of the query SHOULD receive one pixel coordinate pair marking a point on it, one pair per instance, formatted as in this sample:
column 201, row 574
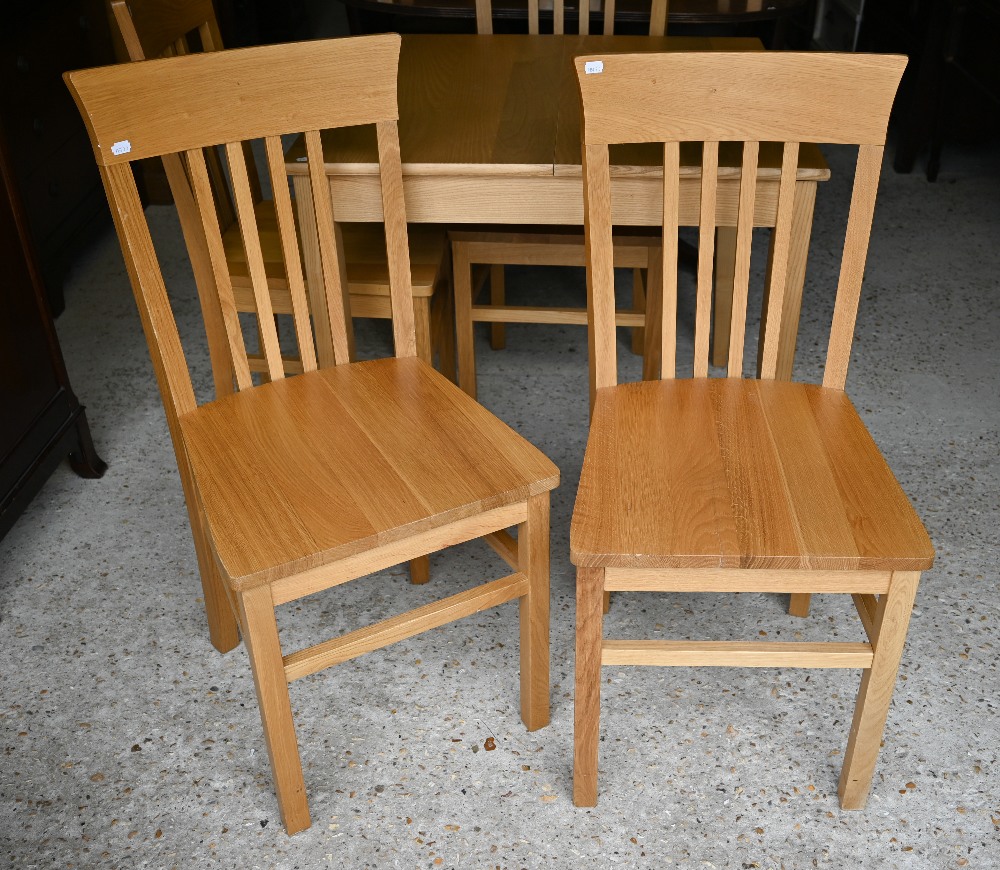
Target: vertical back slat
column 208, row 297
column 484, row 17
column 181, row 46
column 600, row 269
column 255, row 260
column 338, row 304
column 744, row 239
column 533, row 26
column 779, row 260
column 706, row 255
column 583, row 13
column 210, row 39
column 558, row 17
column 668, row 295
column 150, row 293
column 131, row 39
column 202, row 190
column 397, row 249
column 290, row 252
column 658, row 18
column 609, row 14
column 852, row 267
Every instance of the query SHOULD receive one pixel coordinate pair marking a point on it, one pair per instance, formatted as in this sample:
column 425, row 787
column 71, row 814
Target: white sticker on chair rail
column 122, row 147
column 593, row 66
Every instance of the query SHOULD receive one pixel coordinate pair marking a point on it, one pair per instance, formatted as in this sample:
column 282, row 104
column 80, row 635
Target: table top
column 508, row 105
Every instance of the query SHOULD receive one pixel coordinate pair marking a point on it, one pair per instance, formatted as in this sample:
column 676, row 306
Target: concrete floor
column 129, row 742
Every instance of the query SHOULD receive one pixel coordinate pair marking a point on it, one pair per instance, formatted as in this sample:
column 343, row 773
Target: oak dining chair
column 306, row 482
column 737, row 484
column 161, row 28
column 535, row 246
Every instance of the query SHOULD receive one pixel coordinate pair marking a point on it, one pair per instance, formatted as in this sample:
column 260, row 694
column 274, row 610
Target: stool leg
column 891, row 620
column 260, row 634
column 587, row 706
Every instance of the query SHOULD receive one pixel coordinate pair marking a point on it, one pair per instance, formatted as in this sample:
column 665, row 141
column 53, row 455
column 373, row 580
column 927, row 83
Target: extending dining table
column 489, row 130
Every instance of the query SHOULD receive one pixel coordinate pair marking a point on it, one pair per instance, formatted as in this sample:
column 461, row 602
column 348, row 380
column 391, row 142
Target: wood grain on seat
column 296, row 473
column 728, row 473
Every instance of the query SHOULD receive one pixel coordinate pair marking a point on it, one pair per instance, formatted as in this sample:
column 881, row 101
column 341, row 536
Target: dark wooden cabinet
column 48, row 145
column 41, row 421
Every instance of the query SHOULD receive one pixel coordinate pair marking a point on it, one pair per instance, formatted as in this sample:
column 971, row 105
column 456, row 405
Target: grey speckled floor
column 128, row 742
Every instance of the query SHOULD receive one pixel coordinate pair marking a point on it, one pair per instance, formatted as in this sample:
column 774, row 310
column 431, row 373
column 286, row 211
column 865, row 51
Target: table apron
column 540, row 200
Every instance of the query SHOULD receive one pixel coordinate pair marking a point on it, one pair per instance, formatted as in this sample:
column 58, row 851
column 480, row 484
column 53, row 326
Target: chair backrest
column 750, row 97
column 183, row 105
column 657, row 16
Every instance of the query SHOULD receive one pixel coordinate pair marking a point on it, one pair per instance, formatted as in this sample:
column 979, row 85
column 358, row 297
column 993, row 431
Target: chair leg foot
column 798, row 605
column 533, row 560
column 261, row 637
column 420, row 570
column 891, row 621
column 587, row 706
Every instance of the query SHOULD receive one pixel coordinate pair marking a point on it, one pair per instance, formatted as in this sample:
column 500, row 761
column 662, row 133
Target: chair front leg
column 533, row 562
column 587, row 706
column 892, row 618
column 260, row 634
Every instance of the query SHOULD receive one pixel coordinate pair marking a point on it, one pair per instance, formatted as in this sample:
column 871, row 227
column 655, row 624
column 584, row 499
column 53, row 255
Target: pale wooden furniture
column 489, row 132
column 726, row 484
column 164, row 28
column 307, row 482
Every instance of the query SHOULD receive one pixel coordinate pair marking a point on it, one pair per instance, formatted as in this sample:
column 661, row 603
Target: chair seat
column 733, row 473
column 364, row 250
column 300, row 472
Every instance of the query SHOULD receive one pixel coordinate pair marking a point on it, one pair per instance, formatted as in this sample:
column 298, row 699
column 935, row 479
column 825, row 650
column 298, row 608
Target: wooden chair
column 538, row 247
column 732, row 484
column 164, row 28
column 158, row 28
column 307, row 482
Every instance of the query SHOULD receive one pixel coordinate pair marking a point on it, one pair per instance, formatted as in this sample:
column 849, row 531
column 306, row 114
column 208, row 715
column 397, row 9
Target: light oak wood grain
column 732, row 654
column 732, row 484
column 757, row 474
column 299, row 484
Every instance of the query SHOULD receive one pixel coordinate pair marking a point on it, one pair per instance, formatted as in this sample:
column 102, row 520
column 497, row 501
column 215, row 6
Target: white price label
column 122, row 147
column 593, row 66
